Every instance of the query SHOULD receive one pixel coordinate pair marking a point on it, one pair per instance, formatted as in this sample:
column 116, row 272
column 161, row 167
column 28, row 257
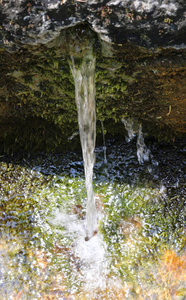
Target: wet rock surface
column 146, row 23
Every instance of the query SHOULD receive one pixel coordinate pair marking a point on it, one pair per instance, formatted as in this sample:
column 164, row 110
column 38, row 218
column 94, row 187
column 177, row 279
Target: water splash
column 84, row 79
column 92, row 257
column 73, row 135
column 134, row 128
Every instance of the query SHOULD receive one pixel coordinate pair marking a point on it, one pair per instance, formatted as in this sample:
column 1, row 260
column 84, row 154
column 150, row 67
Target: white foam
column 91, row 254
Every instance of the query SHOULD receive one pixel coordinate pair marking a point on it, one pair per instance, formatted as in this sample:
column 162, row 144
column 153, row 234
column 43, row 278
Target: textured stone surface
column 149, row 23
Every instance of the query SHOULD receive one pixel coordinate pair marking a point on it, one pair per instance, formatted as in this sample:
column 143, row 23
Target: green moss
column 130, row 81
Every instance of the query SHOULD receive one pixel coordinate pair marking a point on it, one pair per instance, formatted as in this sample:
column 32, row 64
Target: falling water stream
column 48, row 245
column 84, row 78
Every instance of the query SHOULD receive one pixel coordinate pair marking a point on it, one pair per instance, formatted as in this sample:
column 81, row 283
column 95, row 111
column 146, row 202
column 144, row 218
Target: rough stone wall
column 149, row 23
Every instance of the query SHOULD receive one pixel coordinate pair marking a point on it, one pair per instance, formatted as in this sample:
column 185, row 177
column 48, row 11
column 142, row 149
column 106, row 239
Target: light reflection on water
column 139, row 250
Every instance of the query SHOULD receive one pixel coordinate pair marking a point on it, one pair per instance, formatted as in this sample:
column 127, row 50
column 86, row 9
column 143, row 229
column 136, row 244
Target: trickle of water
column 84, row 79
column 142, row 151
column 104, row 144
column 129, row 124
column 134, row 128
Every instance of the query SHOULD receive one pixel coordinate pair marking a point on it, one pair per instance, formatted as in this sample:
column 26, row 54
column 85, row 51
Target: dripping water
column 134, row 128
column 142, row 151
column 129, row 124
column 104, row 144
column 84, row 79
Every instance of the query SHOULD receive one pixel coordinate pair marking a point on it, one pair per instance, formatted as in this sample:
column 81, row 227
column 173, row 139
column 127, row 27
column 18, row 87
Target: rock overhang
column 151, row 24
